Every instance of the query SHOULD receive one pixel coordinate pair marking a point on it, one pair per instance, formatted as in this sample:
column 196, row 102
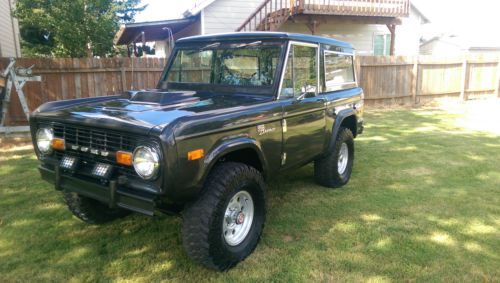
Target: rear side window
column 339, row 71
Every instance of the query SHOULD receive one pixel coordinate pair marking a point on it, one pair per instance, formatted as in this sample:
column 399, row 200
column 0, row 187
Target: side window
column 301, row 73
column 339, row 71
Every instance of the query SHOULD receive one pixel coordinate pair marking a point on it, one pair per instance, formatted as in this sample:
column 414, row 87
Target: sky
column 478, row 19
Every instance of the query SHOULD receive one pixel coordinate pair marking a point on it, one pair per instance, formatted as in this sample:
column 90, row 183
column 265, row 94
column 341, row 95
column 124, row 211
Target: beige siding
column 227, row 15
column 9, row 31
column 359, row 35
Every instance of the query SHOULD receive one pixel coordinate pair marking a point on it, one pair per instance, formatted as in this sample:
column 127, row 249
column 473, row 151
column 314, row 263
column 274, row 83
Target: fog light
column 102, row 170
column 68, row 162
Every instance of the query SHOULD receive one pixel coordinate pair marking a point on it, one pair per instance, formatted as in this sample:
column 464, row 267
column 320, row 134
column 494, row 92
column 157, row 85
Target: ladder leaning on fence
column 17, row 77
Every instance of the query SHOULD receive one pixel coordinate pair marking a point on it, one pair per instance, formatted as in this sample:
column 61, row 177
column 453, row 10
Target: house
column 451, row 44
column 381, row 27
column 9, row 31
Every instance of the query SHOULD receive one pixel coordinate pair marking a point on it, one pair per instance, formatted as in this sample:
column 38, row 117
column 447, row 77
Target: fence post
column 463, row 96
column 497, row 86
column 123, row 77
column 357, row 69
column 414, row 84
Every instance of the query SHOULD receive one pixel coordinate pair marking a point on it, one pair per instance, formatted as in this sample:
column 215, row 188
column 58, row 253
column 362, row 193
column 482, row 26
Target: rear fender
column 341, row 116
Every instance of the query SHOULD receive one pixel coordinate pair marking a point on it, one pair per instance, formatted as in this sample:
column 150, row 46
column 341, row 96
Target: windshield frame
column 268, row 90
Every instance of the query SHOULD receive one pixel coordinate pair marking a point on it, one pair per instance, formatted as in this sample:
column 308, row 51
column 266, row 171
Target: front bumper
column 114, row 194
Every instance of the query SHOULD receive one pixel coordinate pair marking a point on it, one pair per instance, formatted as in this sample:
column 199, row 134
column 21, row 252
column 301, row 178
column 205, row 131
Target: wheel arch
column 243, row 150
column 346, row 118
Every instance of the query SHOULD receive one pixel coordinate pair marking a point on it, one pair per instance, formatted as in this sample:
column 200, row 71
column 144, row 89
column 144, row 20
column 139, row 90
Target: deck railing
column 271, row 13
column 381, row 8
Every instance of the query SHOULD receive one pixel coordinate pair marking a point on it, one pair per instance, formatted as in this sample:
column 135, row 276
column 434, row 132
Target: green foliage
column 76, row 28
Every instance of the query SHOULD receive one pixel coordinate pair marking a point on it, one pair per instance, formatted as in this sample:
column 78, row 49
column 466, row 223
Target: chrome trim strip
column 304, row 43
column 230, row 128
column 338, row 52
column 285, row 64
column 287, row 115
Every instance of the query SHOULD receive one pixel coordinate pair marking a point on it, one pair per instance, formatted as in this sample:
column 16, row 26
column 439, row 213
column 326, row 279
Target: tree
column 72, row 28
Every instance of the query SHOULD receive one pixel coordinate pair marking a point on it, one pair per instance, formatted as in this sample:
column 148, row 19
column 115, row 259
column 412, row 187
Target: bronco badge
column 261, row 130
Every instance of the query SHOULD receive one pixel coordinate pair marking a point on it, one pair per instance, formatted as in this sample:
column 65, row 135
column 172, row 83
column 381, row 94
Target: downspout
column 17, row 44
column 202, row 22
column 392, row 29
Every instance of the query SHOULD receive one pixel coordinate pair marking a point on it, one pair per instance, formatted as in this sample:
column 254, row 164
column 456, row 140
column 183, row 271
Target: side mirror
column 306, row 91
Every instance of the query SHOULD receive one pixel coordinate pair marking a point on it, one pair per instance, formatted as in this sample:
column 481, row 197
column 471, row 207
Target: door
column 304, row 124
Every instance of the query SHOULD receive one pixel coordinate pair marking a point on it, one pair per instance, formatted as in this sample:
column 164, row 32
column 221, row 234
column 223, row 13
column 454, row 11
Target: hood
column 140, row 111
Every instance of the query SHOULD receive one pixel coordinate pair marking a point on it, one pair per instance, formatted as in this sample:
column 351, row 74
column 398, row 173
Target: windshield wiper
column 255, row 43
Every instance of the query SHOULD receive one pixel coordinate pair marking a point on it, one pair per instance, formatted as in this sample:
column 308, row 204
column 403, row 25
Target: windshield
column 244, row 64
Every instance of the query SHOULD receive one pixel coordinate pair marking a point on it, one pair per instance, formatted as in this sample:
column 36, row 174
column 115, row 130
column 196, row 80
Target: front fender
column 231, row 145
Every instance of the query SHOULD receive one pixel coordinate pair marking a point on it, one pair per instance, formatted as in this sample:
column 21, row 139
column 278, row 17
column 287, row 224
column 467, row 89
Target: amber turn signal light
column 124, row 158
column 196, row 154
column 58, row 144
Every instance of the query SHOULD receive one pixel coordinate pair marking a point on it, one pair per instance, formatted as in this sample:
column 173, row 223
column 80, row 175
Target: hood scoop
column 163, row 98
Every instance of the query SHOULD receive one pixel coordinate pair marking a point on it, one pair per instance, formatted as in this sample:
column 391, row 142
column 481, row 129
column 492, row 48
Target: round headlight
column 146, row 162
column 44, row 138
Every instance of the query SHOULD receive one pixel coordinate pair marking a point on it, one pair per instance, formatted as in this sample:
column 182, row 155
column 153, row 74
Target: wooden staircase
column 274, row 20
column 272, row 14
column 269, row 16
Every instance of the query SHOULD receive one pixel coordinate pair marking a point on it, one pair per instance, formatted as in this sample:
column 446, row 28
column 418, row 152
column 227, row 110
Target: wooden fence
column 386, row 81
column 76, row 78
column 398, row 80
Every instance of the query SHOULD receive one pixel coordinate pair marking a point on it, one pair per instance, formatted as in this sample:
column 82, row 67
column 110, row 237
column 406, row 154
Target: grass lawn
column 423, row 204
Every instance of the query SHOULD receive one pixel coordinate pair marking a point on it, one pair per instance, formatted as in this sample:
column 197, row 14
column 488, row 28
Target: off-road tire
column 326, row 167
column 203, row 219
column 92, row 211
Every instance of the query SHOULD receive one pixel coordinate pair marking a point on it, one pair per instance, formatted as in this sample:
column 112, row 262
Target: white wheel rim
column 238, row 218
column 343, row 158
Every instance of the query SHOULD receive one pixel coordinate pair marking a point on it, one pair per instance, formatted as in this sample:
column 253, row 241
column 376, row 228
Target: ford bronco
column 229, row 112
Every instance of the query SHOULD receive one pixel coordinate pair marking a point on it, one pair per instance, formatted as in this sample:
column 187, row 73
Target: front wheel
column 334, row 169
column 224, row 225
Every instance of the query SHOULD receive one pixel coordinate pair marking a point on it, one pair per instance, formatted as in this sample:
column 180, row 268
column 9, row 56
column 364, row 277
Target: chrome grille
column 92, row 138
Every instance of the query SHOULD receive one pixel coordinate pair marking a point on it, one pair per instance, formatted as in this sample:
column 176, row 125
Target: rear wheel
column 92, row 211
column 224, row 225
column 334, row 169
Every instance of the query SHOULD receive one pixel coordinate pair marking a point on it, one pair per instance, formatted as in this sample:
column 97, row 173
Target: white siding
column 440, row 47
column 161, row 47
column 408, row 35
column 227, row 15
column 9, row 31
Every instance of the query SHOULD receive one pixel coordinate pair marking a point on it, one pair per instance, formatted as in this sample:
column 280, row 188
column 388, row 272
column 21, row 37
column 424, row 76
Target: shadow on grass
column 422, row 204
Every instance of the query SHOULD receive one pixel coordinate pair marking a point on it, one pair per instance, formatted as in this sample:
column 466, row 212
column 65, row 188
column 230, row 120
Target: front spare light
column 44, row 137
column 146, row 162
